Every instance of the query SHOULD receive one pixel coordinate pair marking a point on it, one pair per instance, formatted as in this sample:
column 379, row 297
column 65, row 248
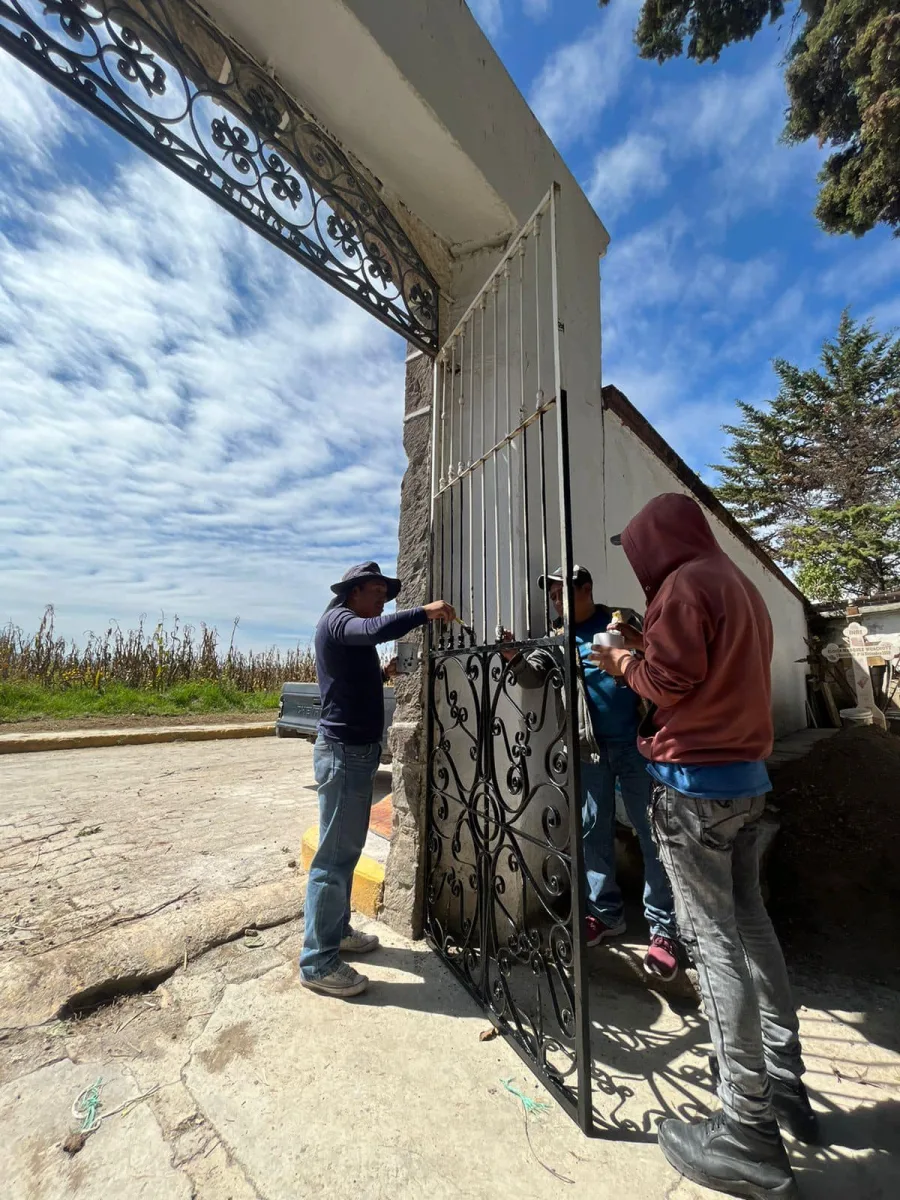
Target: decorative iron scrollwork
column 163, row 75
column 499, row 891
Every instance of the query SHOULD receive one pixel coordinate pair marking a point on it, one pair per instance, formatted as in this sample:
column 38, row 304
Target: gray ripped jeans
column 709, row 849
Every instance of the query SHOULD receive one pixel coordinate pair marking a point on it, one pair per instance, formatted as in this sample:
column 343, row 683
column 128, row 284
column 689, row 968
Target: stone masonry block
column 407, row 742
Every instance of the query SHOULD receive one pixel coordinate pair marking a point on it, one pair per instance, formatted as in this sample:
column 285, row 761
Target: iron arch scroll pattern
column 163, row 75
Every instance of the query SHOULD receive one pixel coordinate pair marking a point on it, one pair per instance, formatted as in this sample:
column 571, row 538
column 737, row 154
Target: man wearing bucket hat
column 704, row 664
column 345, row 759
column 608, row 719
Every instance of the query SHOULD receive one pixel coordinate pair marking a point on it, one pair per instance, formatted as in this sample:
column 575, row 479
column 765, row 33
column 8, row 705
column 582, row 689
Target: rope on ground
column 530, row 1105
column 85, row 1109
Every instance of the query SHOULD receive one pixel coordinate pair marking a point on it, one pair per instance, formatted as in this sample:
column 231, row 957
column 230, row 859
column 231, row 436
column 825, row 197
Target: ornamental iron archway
column 163, row 75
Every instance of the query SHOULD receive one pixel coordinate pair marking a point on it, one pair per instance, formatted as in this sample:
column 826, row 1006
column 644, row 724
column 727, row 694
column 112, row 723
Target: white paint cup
column 610, row 638
column 407, row 658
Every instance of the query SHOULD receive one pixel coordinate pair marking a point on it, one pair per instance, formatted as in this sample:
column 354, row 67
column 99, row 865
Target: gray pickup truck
column 301, row 704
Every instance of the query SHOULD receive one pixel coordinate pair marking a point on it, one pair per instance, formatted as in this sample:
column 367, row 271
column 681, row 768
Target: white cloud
column 488, row 14
column 537, row 10
column 33, row 121
column 675, row 328
column 886, row 316
column 580, row 79
column 861, row 270
column 192, row 422
column 624, row 171
column 716, row 138
column 732, row 123
column 720, row 111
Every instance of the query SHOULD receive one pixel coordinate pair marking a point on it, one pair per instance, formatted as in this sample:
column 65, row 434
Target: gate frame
column 581, row 1111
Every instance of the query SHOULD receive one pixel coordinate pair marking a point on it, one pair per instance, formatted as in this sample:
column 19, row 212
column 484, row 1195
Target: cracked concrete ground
column 255, row 1088
column 117, row 862
column 90, row 839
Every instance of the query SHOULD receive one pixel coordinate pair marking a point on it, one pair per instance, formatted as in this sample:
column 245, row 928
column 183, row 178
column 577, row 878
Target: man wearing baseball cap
column 608, row 719
column 345, row 759
column 704, row 664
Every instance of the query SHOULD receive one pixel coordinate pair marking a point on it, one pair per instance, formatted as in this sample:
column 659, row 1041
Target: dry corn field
column 143, row 658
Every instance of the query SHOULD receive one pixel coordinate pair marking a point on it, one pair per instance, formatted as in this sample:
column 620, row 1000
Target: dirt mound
column 835, row 869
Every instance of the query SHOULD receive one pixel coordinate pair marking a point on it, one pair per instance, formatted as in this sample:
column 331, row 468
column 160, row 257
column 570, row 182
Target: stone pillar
column 405, row 866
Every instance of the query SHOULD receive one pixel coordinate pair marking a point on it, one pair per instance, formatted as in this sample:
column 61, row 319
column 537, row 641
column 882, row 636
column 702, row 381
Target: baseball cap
column 580, row 575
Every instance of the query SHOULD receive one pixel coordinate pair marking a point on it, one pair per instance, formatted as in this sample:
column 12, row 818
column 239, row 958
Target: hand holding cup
column 609, row 652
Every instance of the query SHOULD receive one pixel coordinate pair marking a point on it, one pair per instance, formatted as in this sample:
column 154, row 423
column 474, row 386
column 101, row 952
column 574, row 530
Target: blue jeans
column 622, row 761
column 344, row 776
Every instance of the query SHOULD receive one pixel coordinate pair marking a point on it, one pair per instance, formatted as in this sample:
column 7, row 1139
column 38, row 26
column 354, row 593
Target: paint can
column 407, row 658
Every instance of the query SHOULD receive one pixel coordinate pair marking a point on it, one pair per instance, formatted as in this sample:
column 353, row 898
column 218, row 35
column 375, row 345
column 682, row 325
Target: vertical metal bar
column 437, row 516
column 484, row 608
column 442, row 517
column 527, row 540
column 539, row 390
column 495, row 457
column 472, row 475
column 451, row 497
column 442, row 359
column 436, row 381
column 452, row 406
column 539, row 400
column 460, row 486
column 460, row 467
column 509, row 458
column 580, row 979
column 543, row 477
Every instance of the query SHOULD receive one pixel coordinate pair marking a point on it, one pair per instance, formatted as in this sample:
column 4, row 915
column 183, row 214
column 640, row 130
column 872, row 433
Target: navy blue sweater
column 349, row 671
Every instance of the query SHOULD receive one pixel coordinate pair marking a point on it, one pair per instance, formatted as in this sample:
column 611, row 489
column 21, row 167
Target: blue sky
column 193, row 424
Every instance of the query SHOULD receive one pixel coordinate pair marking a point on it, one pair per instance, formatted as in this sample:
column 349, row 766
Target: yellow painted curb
column 368, row 878
column 24, row 743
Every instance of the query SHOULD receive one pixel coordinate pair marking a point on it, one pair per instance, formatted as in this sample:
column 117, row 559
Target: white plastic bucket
column 856, row 716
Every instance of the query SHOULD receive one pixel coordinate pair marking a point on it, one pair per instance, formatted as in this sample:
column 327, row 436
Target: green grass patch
column 32, row 701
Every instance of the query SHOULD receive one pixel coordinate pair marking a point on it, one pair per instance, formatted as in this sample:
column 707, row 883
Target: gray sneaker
column 357, row 942
column 342, row 982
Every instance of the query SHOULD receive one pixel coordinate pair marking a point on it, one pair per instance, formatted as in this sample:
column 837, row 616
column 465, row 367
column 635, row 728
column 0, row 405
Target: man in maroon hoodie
column 703, row 663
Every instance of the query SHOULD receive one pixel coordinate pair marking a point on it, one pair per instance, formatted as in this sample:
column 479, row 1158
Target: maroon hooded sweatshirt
column 707, row 641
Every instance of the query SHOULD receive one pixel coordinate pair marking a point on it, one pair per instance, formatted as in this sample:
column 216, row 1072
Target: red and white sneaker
column 597, row 932
column 661, row 959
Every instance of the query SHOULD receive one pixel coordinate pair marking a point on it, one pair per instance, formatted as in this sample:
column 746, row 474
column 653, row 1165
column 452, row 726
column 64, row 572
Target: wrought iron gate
column 505, row 879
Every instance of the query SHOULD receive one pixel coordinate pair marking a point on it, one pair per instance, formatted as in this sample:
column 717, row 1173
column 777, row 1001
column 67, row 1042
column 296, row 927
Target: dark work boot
column 794, row 1112
column 741, row 1160
column 791, row 1105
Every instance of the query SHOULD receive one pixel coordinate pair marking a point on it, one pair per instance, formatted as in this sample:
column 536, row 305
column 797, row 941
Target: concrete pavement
column 116, row 862
column 265, row 1090
column 121, row 868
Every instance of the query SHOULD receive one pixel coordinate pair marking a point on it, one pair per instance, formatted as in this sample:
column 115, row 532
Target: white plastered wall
column 634, row 474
